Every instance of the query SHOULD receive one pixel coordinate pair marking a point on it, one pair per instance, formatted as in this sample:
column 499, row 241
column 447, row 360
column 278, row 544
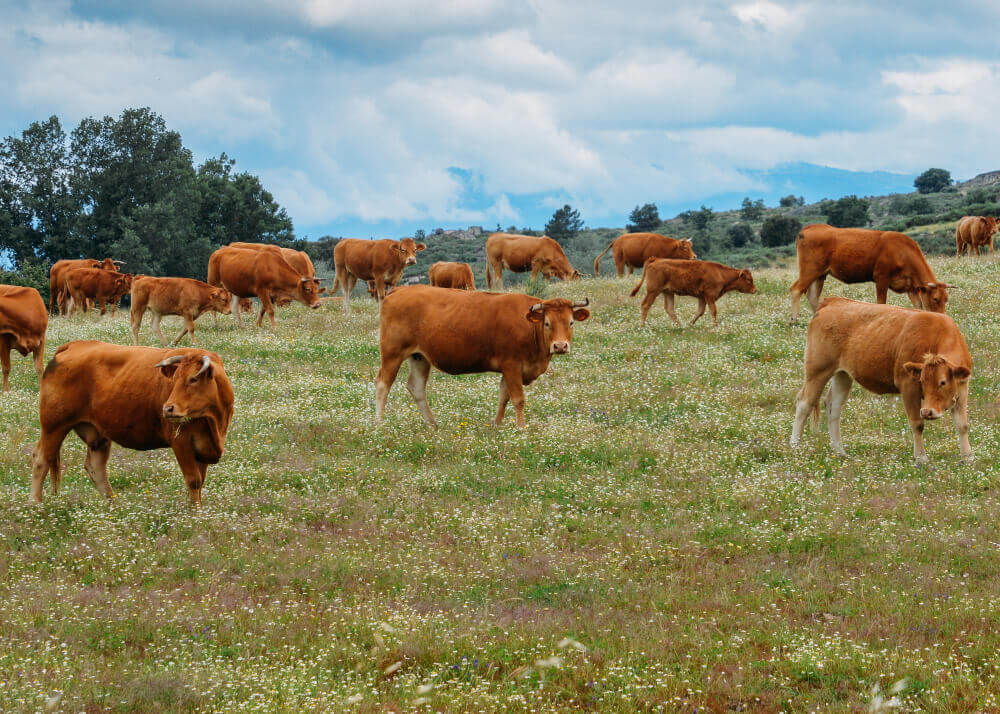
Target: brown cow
column 520, row 254
column 464, row 332
column 379, row 261
column 261, row 274
column 85, row 285
column 23, row 321
column 57, row 273
column 142, row 398
column 452, row 275
column 853, row 255
column 175, row 296
column 702, row 279
column 888, row 350
column 632, row 250
column 298, row 259
column 973, row 233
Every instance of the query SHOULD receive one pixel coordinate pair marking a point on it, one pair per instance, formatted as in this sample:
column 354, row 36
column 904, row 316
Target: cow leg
column 420, row 370
column 647, row 302
column 379, row 290
column 39, row 357
column 715, row 314
column 814, row 291
column 700, row 311
column 504, row 398
column 960, row 416
column 911, row 405
column 235, row 309
column 188, row 329
column 881, row 292
column 266, row 306
column 137, row 314
column 668, row 305
column 5, row 362
column 344, row 283
column 619, row 266
column 915, row 300
column 45, row 458
column 194, row 471
column 104, row 305
column 515, row 389
column 387, row 372
column 96, row 461
column 840, row 388
column 155, row 322
column 806, row 400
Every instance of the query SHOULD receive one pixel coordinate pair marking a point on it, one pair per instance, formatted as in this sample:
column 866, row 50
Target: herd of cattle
column 149, row 398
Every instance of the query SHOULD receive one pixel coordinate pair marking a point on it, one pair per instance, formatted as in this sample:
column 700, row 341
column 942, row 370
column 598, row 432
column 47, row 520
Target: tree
column 779, row 230
column 644, row 219
column 848, row 212
column 700, row 218
column 932, row 181
column 419, row 234
column 740, row 234
column 564, row 224
column 791, row 201
column 752, row 210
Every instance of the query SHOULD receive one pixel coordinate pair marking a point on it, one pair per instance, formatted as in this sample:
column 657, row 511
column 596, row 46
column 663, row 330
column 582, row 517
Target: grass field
column 649, row 542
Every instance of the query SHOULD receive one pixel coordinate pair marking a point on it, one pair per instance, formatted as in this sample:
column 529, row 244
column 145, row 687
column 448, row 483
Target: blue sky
column 377, row 117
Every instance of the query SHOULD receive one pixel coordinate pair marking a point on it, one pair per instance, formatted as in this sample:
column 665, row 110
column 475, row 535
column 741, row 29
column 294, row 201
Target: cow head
column 24, row 344
column 940, row 381
column 193, row 393
column 687, row 250
column 245, row 305
column 556, row 267
column 220, row 300
column 556, row 318
column 933, row 296
column 308, row 292
column 408, row 250
column 109, row 264
column 744, row 282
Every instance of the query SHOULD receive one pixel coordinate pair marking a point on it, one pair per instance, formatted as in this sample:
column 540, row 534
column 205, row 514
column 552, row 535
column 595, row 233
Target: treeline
column 125, row 187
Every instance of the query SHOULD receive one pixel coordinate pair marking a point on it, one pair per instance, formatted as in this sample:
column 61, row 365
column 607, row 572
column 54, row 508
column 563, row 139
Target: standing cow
column 853, row 255
column 973, row 233
column 921, row 356
column 57, row 274
column 23, row 321
column 261, row 274
column 519, row 254
column 175, row 296
column 139, row 397
column 452, row 275
column 381, row 262
column 463, row 332
column 102, row 287
column 702, row 279
column 632, row 250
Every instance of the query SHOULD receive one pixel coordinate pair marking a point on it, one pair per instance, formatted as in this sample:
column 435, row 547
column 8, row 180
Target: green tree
column 740, row 234
column 419, row 234
column 564, row 225
column 779, row 230
column 644, row 219
column 752, row 210
column 848, row 212
column 932, row 181
column 698, row 219
column 791, row 201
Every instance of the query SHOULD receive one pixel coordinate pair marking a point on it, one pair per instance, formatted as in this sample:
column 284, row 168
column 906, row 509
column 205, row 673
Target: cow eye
column 943, row 382
column 570, row 323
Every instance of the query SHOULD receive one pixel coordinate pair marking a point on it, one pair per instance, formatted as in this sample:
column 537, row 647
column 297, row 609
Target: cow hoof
column 968, row 459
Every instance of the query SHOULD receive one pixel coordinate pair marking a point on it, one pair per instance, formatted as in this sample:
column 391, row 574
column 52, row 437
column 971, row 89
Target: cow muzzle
column 560, row 348
column 928, row 413
column 171, row 412
column 411, row 261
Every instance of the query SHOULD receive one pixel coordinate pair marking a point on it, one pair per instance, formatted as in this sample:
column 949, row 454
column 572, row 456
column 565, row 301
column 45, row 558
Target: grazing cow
column 632, row 250
column 23, row 320
column 973, row 233
column 57, row 274
column 702, row 279
column 452, row 275
column 298, row 259
column 888, row 350
column 85, row 285
column 379, row 261
column 175, row 296
column 463, row 332
column 261, row 274
column 852, row 255
column 142, row 398
column 520, row 254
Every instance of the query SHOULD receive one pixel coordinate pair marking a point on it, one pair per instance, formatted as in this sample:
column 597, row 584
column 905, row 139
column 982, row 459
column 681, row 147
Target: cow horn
column 206, row 362
column 581, row 303
column 169, row 361
column 536, row 306
column 120, row 262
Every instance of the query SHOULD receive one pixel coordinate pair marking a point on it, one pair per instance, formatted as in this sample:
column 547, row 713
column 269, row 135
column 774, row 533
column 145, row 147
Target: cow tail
column 597, row 260
column 642, row 279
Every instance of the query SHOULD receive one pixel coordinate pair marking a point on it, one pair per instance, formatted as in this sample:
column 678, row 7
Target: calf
column 888, row 350
column 452, row 275
column 57, row 275
column 380, row 262
column 702, row 279
column 139, row 397
column 174, row 296
column 103, row 287
column 463, row 332
column 23, row 321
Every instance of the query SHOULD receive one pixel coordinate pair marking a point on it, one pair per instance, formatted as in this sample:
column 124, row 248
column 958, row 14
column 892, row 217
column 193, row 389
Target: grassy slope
column 651, row 511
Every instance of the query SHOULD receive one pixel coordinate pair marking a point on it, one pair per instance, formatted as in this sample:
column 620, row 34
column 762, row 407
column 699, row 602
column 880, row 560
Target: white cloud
column 767, row 16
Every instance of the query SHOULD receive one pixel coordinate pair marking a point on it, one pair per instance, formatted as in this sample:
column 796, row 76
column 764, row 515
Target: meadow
column 648, row 543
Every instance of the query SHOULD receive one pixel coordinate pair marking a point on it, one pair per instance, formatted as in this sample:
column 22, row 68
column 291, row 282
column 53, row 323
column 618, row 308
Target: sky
column 378, row 117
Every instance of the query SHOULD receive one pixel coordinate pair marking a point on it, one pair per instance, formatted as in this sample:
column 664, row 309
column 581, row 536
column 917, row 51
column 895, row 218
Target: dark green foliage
column 699, row 219
column 564, row 224
column 848, row 212
column 932, row 181
column 779, row 230
column 31, row 273
column 791, row 201
column 978, row 195
column 419, row 235
column 740, row 235
column 644, row 219
column 919, row 204
column 752, row 210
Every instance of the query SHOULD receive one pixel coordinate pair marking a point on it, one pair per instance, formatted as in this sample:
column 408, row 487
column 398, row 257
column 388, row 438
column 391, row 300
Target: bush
column 779, row 230
column 537, row 286
column 791, row 201
column 740, row 234
column 848, row 212
column 923, row 220
column 31, row 274
column 919, row 204
column 752, row 210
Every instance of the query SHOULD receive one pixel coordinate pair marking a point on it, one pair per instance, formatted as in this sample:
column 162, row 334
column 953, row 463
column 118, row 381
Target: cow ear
column 536, row 315
column 581, row 314
column 914, row 369
column 960, row 372
column 420, row 247
column 168, row 366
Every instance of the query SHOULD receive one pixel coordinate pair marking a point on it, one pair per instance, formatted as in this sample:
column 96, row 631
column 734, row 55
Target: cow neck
column 540, row 339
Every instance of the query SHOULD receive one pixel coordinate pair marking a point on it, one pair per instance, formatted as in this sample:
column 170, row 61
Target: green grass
column 651, row 512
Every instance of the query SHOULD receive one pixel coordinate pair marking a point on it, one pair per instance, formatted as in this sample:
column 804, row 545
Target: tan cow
column 702, row 279
column 451, row 275
column 379, row 261
column 919, row 355
column 892, row 260
column 57, row 273
column 519, row 254
column 142, row 398
column 261, row 274
column 973, row 233
column 175, row 296
column 464, row 332
column 632, row 250
column 102, row 287
column 23, row 321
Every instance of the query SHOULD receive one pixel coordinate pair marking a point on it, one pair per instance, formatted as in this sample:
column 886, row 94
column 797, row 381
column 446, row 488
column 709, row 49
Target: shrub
column 779, row 230
column 791, row 201
column 977, row 195
column 740, row 234
column 32, row 274
column 848, row 212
